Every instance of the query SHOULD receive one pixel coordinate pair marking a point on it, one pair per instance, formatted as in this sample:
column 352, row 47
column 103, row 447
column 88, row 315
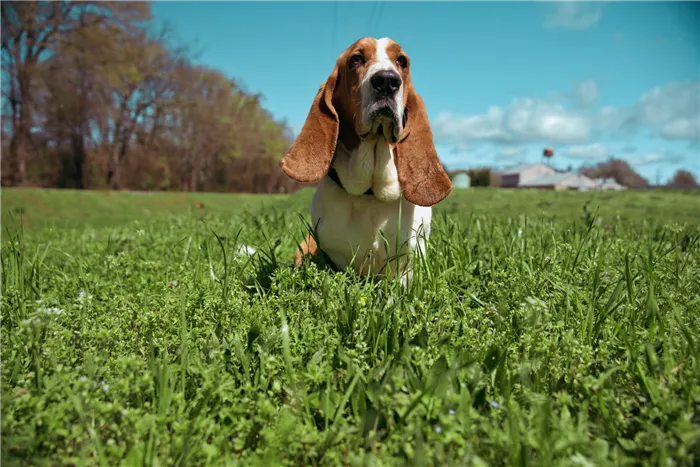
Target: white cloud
column 654, row 158
column 615, row 119
column 524, row 120
column 681, row 129
column 510, row 153
column 587, row 93
column 671, row 112
column 574, row 15
column 534, row 119
column 458, row 129
column 590, row 151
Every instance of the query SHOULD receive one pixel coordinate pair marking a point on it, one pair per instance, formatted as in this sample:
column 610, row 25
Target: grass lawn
column 543, row 328
column 74, row 209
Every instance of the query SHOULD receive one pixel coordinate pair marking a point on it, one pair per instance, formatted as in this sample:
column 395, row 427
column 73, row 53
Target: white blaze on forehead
column 383, row 61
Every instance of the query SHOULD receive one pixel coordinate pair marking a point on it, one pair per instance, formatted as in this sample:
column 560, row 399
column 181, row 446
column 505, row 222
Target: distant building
column 544, row 177
column 609, row 184
column 516, row 176
column 461, row 180
column 561, row 181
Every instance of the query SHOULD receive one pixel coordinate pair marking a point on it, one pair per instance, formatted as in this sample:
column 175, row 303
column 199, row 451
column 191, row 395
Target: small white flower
column 246, row 250
column 82, row 379
column 82, row 295
column 285, row 329
column 451, row 412
column 437, row 428
column 50, row 311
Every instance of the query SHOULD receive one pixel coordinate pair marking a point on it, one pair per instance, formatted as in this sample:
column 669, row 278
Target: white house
column 609, row 184
column 544, row 177
column 561, row 181
column 516, row 176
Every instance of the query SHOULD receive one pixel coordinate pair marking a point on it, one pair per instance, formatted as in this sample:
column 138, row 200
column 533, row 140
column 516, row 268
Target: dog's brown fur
column 331, row 117
column 308, row 250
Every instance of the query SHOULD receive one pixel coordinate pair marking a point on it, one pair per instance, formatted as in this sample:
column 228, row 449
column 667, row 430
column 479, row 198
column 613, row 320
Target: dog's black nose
column 386, row 82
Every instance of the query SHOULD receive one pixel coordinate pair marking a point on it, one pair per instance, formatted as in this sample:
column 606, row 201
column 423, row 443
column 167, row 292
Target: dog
column 368, row 143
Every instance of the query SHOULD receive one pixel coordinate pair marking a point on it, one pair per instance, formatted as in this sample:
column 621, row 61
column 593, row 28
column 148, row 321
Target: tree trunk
column 17, row 163
column 18, row 146
column 194, row 173
column 114, row 175
column 21, row 123
column 79, row 161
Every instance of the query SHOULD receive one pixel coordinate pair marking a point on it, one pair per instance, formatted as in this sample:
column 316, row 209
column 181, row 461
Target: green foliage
column 683, row 179
column 121, row 105
column 618, row 169
column 541, row 339
column 480, row 177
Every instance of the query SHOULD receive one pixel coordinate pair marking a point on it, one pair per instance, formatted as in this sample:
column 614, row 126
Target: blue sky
column 501, row 80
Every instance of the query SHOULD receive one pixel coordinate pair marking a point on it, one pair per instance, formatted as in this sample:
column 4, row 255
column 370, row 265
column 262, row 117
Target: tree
column 103, row 101
column 619, row 170
column 136, row 91
column 31, row 34
column 479, row 177
column 683, row 179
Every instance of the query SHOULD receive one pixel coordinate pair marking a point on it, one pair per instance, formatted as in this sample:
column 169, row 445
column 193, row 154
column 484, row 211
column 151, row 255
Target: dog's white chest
column 362, row 231
column 367, row 231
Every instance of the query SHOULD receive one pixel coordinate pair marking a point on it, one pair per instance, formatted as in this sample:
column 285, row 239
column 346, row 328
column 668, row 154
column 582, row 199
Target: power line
column 380, row 10
column 372, row 15
column 335, row 25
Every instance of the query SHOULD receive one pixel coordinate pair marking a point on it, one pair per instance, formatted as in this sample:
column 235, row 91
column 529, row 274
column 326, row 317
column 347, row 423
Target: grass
column 71, row 209
column 542, row 329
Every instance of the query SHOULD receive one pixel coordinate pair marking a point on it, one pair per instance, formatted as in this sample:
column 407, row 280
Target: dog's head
column 369, row 94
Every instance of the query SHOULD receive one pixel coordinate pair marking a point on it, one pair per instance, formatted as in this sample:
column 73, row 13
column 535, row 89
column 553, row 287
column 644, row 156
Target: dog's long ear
column 421, row 173
column 310, row 157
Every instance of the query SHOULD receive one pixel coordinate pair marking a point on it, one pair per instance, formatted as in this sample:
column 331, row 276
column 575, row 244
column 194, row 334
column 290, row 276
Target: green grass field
column 543, row 328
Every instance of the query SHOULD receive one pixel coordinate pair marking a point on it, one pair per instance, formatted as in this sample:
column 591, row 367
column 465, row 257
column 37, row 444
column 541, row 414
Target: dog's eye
column 402, row 62
column 356, row 60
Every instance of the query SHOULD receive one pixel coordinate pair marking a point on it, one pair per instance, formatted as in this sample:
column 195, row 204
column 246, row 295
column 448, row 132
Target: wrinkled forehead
column 374, row 50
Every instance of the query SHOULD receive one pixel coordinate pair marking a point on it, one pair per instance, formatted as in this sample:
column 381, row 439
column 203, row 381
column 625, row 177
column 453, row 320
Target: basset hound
column 368, row 143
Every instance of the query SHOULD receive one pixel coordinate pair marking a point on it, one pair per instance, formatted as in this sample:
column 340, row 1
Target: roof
column 557, row 178
column 547, row 179
column 607, row 181
column 520, row 168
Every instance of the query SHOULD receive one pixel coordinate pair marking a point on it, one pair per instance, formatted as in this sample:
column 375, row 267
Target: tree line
column 617, row 169
column 96, row 95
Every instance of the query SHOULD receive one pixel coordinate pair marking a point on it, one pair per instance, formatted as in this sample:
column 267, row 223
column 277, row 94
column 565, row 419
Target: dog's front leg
column 308, row 250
